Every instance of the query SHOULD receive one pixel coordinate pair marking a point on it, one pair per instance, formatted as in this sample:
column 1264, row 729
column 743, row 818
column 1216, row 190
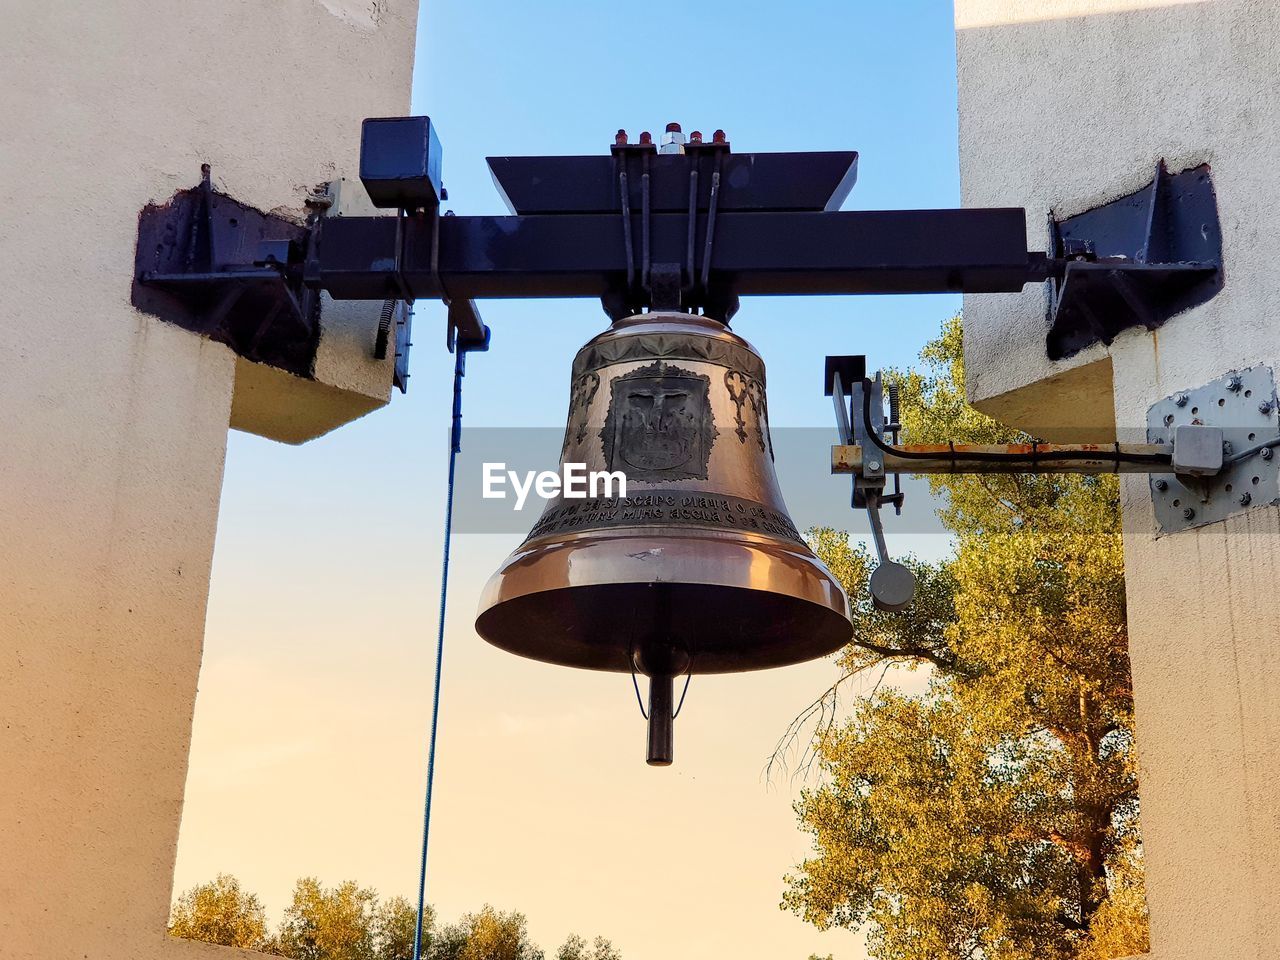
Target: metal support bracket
column 691, row 229
column 232, row 273
column 1135, row 262
column 1243, row 404
column 892, row 584
column 871, row 479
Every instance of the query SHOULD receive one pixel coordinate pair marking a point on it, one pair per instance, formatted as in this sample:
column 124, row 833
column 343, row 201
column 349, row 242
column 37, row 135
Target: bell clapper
column 662, row 661
column 661, row 721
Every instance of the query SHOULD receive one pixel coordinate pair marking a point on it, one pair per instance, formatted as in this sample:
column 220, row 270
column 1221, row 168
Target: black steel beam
column 748, row 181
column 583, row 255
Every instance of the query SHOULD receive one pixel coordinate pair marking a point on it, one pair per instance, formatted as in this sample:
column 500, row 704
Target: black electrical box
column 400, row 162
column 852, row 369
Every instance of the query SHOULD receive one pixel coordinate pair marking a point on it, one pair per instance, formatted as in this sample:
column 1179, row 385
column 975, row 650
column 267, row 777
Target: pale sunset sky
column 311, row 722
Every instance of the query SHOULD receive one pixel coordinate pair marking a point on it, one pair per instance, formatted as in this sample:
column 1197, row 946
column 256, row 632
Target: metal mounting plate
column 1235, row 402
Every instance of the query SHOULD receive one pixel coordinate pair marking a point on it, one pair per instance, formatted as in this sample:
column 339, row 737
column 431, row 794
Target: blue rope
column 455, row 445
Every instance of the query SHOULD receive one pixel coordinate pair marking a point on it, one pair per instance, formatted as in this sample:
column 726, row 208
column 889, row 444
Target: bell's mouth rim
column 630, row 530
column 619, row 540
column 541, row 575
column 829, row 631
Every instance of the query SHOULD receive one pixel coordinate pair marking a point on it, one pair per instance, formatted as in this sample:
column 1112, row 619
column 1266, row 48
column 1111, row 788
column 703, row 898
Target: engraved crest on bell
column 659, row 425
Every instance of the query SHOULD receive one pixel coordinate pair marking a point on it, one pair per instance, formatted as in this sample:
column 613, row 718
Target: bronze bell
column 698, row 569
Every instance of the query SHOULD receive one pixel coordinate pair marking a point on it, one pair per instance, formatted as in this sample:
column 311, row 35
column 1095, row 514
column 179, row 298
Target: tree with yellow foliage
column 486, row 935
column 329, row 924
column 350, row 922
column 220, row 912
column 994, row 815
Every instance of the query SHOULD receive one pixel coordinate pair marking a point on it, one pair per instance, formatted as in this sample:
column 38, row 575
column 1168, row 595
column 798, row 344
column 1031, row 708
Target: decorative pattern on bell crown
column 659, row 425
column 669, row 346
column 583, row 392
column 746, row 391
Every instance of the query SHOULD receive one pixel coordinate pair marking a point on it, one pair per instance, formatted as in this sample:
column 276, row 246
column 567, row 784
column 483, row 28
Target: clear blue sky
column 559, row 77
column 307, row 755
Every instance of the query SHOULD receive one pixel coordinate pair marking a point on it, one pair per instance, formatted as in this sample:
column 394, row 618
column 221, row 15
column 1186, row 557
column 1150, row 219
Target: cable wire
column 455, row 446
column 1250, row 451
column 983, row 457
column 684, row 693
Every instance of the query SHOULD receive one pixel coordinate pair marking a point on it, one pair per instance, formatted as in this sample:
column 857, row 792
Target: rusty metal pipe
column 954, row 459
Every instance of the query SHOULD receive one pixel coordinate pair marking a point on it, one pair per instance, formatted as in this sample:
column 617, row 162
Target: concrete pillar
column 114, row 423
column 1065, row 104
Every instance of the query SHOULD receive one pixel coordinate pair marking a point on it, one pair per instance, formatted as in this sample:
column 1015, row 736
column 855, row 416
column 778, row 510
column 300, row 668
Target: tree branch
column 912, row 653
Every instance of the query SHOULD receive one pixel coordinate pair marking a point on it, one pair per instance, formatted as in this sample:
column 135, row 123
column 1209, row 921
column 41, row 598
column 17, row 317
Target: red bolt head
column 673, row 128
column 620, row 138
column 695, row 137
column 718, row 137
column 646, row 138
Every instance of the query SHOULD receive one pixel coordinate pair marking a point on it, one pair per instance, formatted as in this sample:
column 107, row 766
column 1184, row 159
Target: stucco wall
column 1063, row 105
column 114, row 423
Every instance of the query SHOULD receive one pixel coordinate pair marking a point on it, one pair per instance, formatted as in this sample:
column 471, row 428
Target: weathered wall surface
column 114, row 423
column 1063, row 105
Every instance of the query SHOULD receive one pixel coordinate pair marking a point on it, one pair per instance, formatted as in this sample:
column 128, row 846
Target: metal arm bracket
column 1136, row 261
column 691, row 230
